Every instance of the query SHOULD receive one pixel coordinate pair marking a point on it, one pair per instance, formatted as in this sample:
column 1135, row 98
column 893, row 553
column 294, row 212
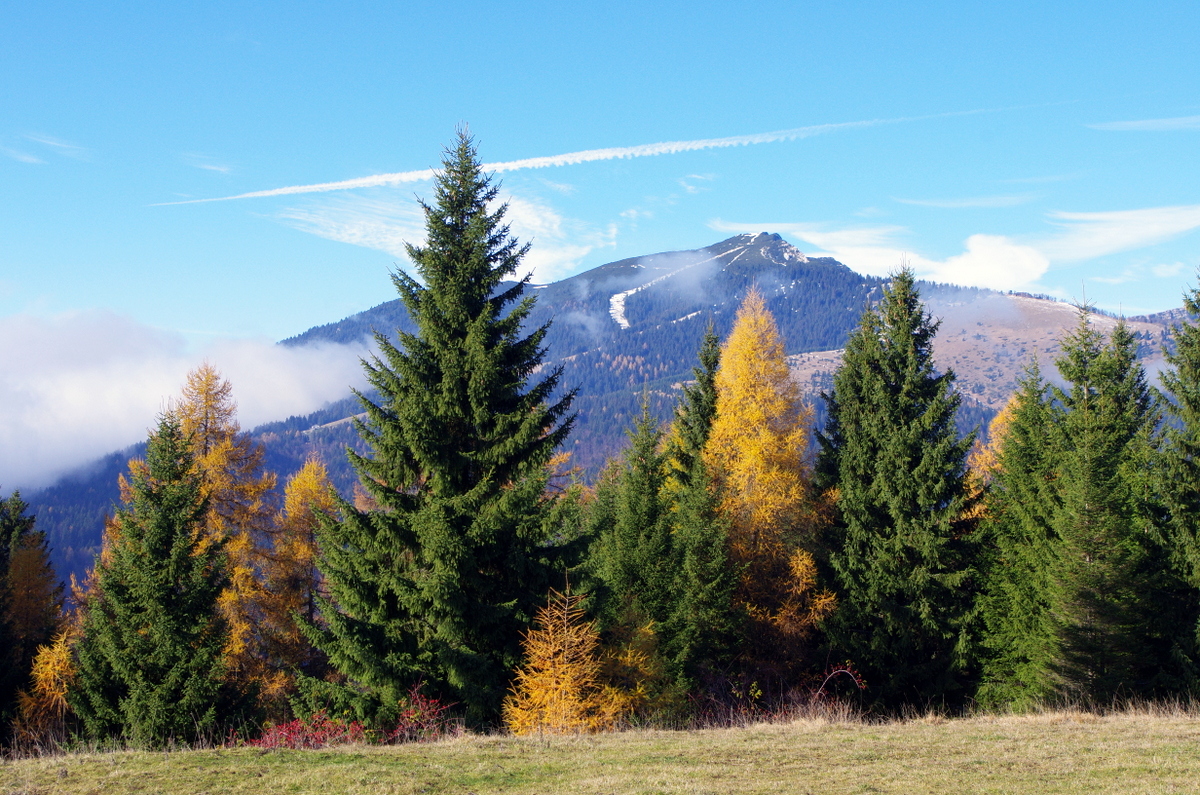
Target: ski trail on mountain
column 616, row 304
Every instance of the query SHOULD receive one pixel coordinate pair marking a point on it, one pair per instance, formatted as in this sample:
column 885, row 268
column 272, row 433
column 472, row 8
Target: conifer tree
column 240, row 512
column 757, row 453
column 30, row 600
column 44, row 716
column 1020, row 550
column 660, row 560
column 291, row 583
column 1103, row 427
column 891, row 454
column 558, row 689
column 634, row 556
column 149, row 661
column 1179, row 483
column 694, row 415
column 437, row 584
column 700, row 630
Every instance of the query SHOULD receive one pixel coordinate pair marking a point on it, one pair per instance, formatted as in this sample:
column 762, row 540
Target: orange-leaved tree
column 758, row 455
column 44, row 714
column 291, row 583
column 558, row 690
column 984, row 460
column 240, row 509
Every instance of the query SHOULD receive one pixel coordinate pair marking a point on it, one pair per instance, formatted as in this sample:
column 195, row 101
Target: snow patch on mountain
column 616, row 304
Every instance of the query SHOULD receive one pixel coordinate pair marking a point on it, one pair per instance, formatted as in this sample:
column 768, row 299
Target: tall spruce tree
column 437, row 584
column 1020, row 549
column 1109, row 563
column 694, row 415
column 699, row 632
column 1179, row 485
column 149, row 661
column 892, row 454
column 633, row 555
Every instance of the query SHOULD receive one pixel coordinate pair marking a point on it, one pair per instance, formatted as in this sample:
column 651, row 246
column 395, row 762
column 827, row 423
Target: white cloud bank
column 995, row 261
column 77, row 386
column 990, row 261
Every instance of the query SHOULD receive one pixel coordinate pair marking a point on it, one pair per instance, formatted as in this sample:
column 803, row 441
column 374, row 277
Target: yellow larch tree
column 291, row 582
column 558, row 690
column 240, row 510
column 43, row 711
column 758, row 455
column 984, row 459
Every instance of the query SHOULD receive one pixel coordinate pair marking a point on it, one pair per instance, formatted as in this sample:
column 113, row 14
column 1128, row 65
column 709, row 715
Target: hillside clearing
column 1067, row 752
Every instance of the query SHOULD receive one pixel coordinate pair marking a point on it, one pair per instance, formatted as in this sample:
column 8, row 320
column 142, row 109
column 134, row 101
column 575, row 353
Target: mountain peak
column 771, row 247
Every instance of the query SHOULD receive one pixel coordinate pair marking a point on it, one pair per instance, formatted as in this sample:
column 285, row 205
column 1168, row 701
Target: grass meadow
column 1143, row 750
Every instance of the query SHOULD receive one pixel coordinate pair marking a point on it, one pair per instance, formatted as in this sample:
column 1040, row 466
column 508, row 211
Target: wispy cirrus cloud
column 1089, row 235
column 1168, row 270
column 21, row 157
column 206, row 162
column 59, row 146
column 977, row 201
column 688, row 183
column 386, row 223
column 592, row 155
column 1151, row 125
column 383, row 224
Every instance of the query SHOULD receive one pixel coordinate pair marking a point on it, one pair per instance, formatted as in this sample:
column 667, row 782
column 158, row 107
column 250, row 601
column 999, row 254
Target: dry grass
column 1131, row 751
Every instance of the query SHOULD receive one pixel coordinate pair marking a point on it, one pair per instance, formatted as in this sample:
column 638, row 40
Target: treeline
column 726, row 559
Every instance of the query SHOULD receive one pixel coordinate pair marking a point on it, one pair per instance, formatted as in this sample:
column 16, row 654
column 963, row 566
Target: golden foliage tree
column 984, row 460
column 758, row 452
column 43, row 714
column 239, row 506
column 291, row 582
column 558, row 690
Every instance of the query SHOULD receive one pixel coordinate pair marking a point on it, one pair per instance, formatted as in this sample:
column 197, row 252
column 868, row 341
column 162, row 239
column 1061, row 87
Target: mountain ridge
column 630, row 329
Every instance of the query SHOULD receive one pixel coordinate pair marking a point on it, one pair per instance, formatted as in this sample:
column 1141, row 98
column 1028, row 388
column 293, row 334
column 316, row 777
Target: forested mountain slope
column 633, row 327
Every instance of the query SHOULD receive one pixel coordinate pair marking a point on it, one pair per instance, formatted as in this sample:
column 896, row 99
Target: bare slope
column 988, row 340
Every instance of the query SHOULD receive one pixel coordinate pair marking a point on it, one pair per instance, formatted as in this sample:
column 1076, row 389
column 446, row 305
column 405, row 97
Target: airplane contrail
column 586, row 156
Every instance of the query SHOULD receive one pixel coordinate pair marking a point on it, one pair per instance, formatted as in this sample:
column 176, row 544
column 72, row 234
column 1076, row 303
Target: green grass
column 1069, row 752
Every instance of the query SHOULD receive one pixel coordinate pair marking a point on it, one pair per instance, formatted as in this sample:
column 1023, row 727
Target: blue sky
column 1050, row 147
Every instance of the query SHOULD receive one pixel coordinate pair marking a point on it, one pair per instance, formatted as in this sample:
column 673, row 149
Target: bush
column 420, row 718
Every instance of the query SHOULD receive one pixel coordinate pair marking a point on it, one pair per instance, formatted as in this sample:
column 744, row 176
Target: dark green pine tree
column 1020, row 553
column 1179, row 484
column 694, row 414
column 437, row 583
column 1109, row 563
column 633, row 556
column 149, row 661
column 901, row 563
column 700, row 628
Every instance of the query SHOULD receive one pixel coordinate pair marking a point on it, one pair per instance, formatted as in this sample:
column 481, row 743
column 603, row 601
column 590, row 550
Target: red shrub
column 319, row 731
column 421, row 718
